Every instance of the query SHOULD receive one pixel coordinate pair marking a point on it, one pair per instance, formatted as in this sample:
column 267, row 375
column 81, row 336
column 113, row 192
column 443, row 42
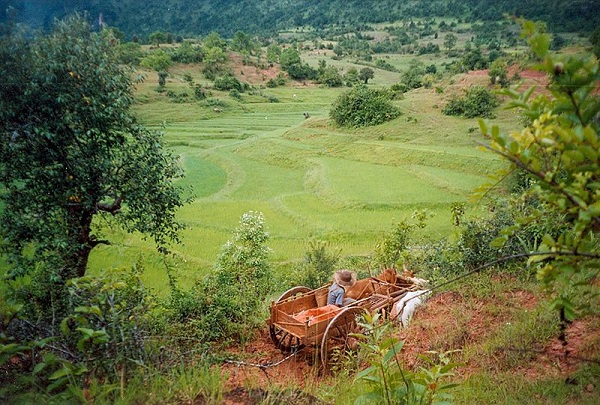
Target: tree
column 130, row 53
column 351, row 76
column 331, row 77
column 214, row 60
column 413, row 76
column 498, row 73
column 162, row 78
column 318, row 265
column 112, row 33
column 450, row 41
column 273, row 53
column 291, row 63
column 213, row 40
column 289, row 57
column 477, row 102
column 365, row 74
column 595, row 41
column 242, row 278
column 157, row 60
column 559, row 149
column 242, row 42
column 157, row 38
column 474, row 60
column 362, row 107
column 72, row 153
column 187, row 53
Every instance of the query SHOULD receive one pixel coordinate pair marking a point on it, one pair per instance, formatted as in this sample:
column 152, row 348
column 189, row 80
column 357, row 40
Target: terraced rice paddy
column 310, row 179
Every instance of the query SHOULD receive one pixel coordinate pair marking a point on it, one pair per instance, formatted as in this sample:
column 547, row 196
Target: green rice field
column 310, row 179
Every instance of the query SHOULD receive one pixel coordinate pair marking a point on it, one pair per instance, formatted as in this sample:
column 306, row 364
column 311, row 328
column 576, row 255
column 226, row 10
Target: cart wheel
column 292, row 292
column 337, row 334
column 285, row 341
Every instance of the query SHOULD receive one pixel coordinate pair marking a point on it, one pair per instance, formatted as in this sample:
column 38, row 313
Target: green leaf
column 548, row 241
column 39, row 367
column 61, row 372
column 94, row 309
column 499, row 241
column 87, row 332
column 594, row 209
column 365, row 372
column 482, row 126
column 59, row 383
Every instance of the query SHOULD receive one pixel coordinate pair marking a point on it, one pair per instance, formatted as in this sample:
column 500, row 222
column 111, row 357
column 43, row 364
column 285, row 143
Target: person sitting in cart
column 342, row 280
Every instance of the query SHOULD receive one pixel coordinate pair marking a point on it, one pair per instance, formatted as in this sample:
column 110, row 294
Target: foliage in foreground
column 388, row 382
column 106, row 335
column 559, row 150
column 362, row 106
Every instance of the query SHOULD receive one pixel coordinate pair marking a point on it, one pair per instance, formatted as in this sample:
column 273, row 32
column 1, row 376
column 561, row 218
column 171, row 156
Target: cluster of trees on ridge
column 193, row 17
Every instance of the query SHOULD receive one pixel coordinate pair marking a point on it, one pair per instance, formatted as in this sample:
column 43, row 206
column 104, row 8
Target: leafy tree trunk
column 81, row 225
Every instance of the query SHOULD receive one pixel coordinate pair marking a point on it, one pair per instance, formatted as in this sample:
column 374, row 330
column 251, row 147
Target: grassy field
column 310, row 179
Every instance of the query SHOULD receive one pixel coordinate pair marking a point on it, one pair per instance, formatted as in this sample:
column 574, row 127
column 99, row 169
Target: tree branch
column 514, row 257
column 112, row 208
column 95, row 243
column 540, row 175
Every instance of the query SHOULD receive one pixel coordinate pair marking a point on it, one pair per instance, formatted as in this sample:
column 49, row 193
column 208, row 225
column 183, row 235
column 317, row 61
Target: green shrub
column 105, row 336
column 413, row 76
column 229, row 303
column 162, row 78
column 271, row 98
column 436, row 260
column 229, row 82
column 362, row 107
column 318, row 266
column 477, row 102
column 331, row 77
column 382, row 64
column 301, row 71
column 111, row 320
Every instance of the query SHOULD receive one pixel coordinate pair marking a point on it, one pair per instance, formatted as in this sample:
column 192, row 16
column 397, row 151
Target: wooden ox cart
column 301, row 316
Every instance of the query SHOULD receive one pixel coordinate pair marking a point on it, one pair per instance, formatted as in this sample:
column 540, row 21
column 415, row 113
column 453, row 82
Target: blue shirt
column 335, row 295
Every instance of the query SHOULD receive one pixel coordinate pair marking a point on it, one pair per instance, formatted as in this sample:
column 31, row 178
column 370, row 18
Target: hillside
column 279, row 195
column 497, row 329
column 199, row 17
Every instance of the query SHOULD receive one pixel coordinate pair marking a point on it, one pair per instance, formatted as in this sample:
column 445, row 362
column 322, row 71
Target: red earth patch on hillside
column 524, row 78
column 251, row 72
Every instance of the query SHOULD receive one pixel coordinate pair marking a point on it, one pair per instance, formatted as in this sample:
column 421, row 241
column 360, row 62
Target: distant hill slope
column 199, row 17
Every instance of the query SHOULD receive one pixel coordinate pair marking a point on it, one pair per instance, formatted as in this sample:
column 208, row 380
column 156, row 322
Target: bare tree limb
column 111, row 208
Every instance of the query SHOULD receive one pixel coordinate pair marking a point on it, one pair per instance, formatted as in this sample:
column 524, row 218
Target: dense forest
column 197, row 17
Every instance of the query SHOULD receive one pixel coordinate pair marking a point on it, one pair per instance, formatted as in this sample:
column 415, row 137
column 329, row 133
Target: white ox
column 406, row 306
